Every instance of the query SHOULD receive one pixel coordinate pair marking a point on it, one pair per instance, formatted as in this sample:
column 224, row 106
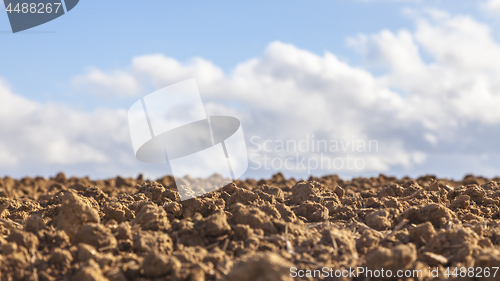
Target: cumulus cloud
column 421, row 112
column 38, row 138
column 491, row 6
column 292, row 94
column 97, row 82
column 162, row 71
column 450, row 101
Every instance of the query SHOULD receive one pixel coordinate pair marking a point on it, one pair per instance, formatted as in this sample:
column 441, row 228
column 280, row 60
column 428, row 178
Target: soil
column 131, row 229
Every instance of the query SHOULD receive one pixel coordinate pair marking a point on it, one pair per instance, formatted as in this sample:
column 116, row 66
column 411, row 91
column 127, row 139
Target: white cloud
column 97, row 82
column 45, row 138
column 289, row 93
column 163, row 71
column 451, row 100
column 491, row 6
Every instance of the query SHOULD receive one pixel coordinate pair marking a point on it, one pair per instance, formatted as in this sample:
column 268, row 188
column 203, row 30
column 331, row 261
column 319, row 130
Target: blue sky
column 374, row 55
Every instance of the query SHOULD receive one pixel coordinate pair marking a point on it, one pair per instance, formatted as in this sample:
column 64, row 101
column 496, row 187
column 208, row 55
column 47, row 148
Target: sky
column 419, row 80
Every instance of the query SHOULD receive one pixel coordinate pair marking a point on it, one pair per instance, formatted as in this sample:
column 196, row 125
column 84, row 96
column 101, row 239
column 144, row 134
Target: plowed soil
column 131, row 229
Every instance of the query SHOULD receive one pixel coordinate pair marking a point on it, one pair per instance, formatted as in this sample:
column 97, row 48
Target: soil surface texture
column 132, row 229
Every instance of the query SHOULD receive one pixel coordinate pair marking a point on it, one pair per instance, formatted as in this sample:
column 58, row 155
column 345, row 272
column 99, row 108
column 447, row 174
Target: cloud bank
column 428, row 96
